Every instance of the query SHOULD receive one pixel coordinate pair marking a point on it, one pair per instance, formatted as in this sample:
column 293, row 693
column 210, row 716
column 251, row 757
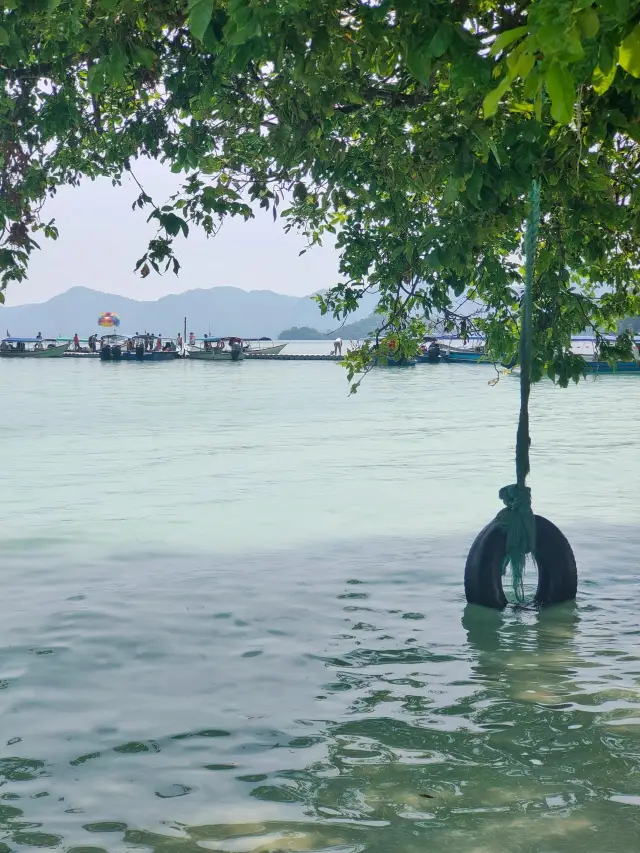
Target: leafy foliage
column 407, row 131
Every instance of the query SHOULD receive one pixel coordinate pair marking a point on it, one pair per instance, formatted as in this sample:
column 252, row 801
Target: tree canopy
column 409, row 130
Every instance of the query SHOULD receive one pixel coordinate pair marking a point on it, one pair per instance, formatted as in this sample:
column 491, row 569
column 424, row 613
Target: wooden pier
column 256, row 356
column 292, row 357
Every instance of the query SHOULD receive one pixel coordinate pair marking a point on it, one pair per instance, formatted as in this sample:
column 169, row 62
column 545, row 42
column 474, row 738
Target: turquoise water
column 233, row 617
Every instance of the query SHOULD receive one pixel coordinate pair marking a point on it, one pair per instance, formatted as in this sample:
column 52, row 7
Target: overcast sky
column 101, row 238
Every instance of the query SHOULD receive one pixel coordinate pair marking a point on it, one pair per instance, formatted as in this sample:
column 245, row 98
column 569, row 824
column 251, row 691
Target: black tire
column 105, row 353
column 116, row 353
column 557, row 572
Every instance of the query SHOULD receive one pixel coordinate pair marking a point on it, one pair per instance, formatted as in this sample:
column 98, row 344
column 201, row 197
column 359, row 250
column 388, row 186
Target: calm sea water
column 233, row 616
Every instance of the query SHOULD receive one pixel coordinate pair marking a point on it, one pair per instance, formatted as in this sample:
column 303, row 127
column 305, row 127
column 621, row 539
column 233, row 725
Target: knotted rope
column 517, row 518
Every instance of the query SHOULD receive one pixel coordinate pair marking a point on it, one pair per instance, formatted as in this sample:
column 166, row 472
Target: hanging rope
column 517, row 518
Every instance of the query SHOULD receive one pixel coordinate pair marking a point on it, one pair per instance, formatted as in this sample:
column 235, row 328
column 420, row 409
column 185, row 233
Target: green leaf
column 514, row 56
column 538, row 104
column 96, row 78
column 493, row 98
column 520, row 65
column 352, row 97
column 525, row 65
column 629, row 55
column 474, row 185
column 117, row 65
column 4, row 36
column 209, row 39
column 200, row 14
column 441, row 40
column 617, row 118
column 607, row 55
column 589, row 23
column 144, row 56
column 562, row 91
column 532, row 84
column 451, row 192
column 419, row 62
column 172, row 224
column 521, row 107
column 245, row 33
column 572, row 50
column 601, row 81
column 506, row 38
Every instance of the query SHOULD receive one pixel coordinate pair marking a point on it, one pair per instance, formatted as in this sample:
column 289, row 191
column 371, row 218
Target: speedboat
column 217, row 349
column 138, row 348
column 393, row 359
column 112, row 346
column 429, row 351
column 261, row 346
column 467, row 355
column 618, row 367
column 32, row 348
column 389, row 361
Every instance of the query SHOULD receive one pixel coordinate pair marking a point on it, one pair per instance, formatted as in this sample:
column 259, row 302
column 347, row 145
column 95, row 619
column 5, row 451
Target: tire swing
column 516, row 531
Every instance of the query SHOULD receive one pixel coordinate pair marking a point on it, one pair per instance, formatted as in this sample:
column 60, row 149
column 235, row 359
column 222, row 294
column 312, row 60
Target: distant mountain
column 350, row 331
column 217, row 310
column 301, row 333
column 360, row 329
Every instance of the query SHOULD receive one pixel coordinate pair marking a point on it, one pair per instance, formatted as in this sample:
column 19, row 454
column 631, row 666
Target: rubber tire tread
column 557, row 570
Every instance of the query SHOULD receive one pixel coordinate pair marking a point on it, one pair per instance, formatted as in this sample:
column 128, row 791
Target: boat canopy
column 26, row 340
column 232, row 338
column 213, row 339
column 147, row 336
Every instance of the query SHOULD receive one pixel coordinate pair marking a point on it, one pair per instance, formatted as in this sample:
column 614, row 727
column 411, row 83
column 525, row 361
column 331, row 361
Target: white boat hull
column 215, row 355
column 271, row 350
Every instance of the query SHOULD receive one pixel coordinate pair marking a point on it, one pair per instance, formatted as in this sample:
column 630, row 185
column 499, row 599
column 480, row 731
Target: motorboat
column 464, row 355
column 216, row 349
column 261, row 346
column 32, row 348
column 429, row 351
column 390, row 361
column 138, row 348
column 617, row 367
